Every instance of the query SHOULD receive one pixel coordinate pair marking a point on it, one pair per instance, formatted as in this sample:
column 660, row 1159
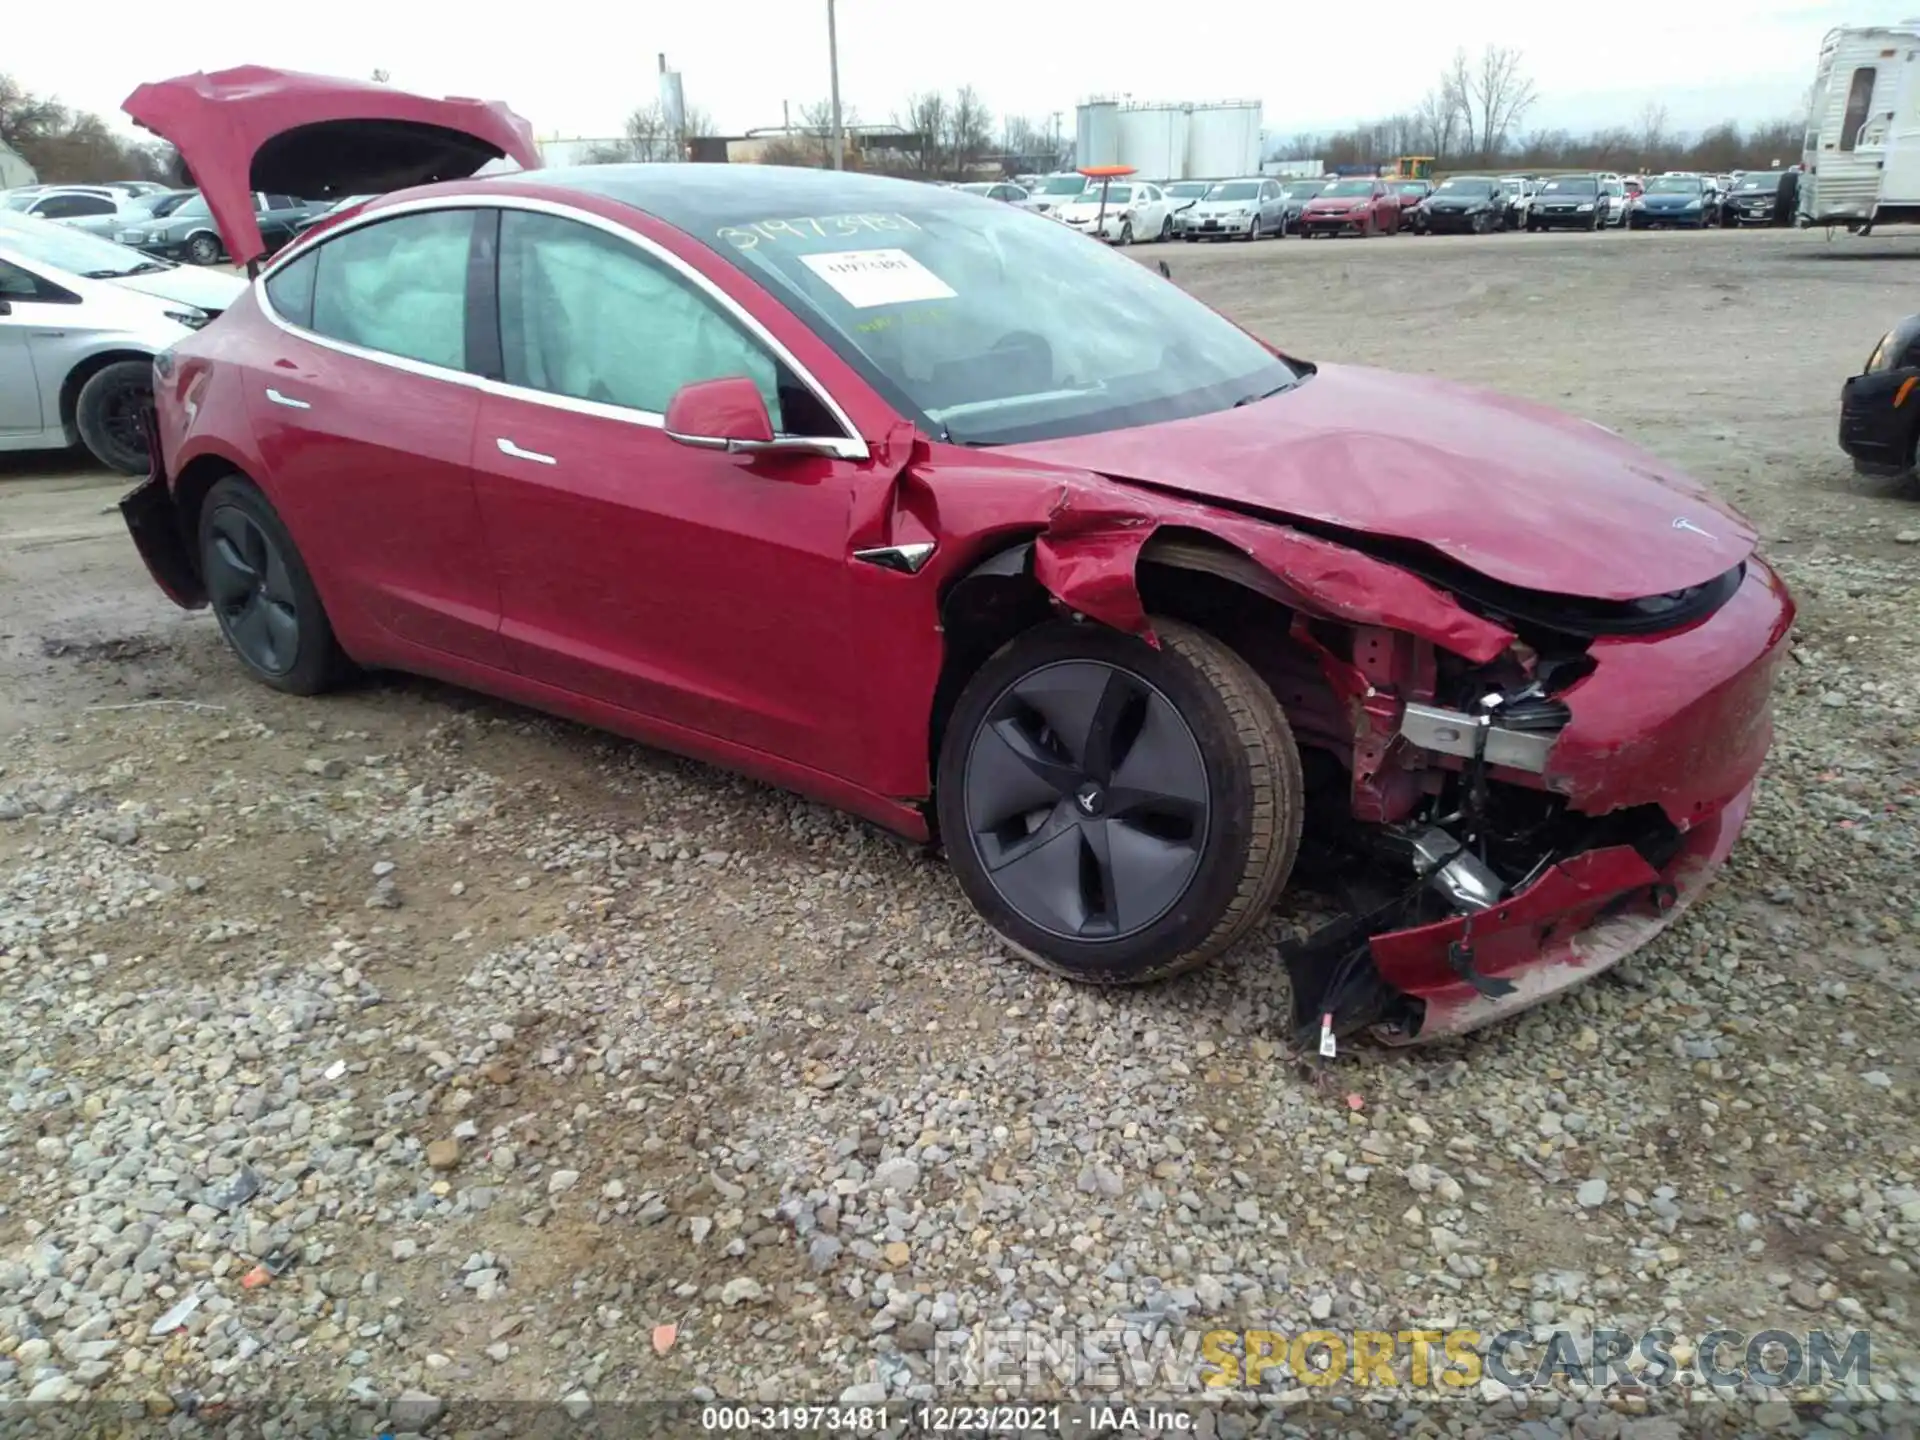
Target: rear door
column 25, row 297
column 363, row 405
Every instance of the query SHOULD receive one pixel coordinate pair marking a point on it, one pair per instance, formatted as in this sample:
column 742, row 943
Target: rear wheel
column 108, row 414
column 1166, row 230
column 261, row 593
column 1117, row 812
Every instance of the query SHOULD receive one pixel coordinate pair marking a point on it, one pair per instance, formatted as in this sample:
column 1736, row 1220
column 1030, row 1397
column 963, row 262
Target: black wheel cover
column 1087, row 800
column 252, row 593
column 121, row 418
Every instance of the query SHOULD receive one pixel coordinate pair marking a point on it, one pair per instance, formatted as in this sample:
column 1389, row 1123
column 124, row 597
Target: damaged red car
column 915, row 503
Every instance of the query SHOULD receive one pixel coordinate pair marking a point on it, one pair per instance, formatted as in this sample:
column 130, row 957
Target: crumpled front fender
column 1088, row 555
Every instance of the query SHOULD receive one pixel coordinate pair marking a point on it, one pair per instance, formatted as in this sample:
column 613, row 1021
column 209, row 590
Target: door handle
column 507, row 447
column 287, row 400
column 49, row 334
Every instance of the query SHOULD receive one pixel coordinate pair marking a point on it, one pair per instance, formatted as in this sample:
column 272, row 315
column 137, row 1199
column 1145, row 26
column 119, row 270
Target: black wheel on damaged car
column 108, row 414
column 1119, row 813
column 262, row 594
column 203, row 249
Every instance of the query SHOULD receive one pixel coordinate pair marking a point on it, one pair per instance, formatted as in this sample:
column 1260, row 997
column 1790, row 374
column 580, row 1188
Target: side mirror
column 729, row 414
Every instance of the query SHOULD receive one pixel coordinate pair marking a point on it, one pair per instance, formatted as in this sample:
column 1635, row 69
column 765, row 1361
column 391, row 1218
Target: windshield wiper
column 1266, row 395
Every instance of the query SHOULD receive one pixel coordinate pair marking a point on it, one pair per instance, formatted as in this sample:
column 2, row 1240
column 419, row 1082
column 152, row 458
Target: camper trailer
column 14, row 170
column 1862, row 156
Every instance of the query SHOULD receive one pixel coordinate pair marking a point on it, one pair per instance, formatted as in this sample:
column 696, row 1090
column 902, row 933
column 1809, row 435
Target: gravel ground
column 541, row 1065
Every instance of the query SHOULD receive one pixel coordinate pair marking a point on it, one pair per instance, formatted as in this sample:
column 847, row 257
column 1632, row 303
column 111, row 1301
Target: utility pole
column 833, row 69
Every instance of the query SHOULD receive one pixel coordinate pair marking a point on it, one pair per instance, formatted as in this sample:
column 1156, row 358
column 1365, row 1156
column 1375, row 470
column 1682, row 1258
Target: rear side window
column 290, row 290
column 398, row 287
column 63, row 207
column 1859, row 97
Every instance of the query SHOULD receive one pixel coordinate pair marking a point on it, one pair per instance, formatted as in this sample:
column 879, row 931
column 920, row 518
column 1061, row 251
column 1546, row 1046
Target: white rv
column 1862, row 155
column 14, row 170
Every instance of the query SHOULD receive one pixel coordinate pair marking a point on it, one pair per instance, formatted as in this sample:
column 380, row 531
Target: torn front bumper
column 153, row 520
column 1879, row 414
column 1583, row 916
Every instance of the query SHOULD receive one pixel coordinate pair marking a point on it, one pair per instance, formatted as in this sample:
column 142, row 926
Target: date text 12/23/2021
column 928, row 1418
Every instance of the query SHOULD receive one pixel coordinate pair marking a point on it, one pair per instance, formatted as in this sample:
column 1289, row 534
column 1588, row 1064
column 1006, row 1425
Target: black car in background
column 188, row 233
column 1879, row 407
column 1763, row 197
column 1295, row 194
column 1569, row 202
column 1462, row 205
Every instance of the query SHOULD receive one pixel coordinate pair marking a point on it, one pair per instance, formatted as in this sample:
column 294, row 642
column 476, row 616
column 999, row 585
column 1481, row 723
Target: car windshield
column 995, row 326
column 1187, row 189
column 1062, row 185
column 1347, row 187
column 1512, row 187
column 1306, row 190
column 194, row 209
column 1116, row 195
column 74, row 251
column 1464, row 187
column 1571, row 185
column 1673, row 185
column 1410, row 187
column 976, row 188
column 1235, row 190
column 1760, row 182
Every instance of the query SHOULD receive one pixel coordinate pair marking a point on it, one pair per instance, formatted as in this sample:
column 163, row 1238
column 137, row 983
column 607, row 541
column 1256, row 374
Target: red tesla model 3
column 921, row 505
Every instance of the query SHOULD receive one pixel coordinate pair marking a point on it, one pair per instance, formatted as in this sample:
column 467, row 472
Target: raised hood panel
column 1518, row 492
column 254, row 128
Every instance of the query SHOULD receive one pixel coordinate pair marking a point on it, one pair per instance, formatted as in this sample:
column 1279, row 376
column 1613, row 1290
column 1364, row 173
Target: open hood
column 1519, row 493
column 254, row 128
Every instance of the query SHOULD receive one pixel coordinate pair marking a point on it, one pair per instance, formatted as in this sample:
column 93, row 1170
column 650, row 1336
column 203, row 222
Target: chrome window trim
column 847, row 447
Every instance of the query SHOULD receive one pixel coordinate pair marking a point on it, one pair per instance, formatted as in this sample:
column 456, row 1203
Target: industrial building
column 1171, row 141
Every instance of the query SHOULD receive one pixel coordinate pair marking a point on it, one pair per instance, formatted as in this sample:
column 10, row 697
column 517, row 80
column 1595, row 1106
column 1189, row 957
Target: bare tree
column 926, row 118
column 1436, row 123
column 1456, row 92
column 1504, row 94
column 25, row 117
column 1653, row 128
column 969, row 130
column 66, row 146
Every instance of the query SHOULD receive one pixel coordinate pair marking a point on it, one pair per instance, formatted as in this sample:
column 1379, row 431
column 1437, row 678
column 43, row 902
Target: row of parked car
column 169, row 224
column 1250, row 207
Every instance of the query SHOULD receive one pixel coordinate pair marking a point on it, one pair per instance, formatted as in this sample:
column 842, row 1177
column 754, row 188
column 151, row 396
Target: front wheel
column 266, row 603
column 1126, row 232
column 1116, row 812
column 203, row 249
column 1166, row 230
column 108, row 415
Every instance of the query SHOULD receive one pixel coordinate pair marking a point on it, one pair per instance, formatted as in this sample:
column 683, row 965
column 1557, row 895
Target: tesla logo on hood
column 1680, row 522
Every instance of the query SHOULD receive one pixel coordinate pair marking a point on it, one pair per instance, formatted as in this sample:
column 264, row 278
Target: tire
column 108, row 415
column 1482, row 224
column 1126, row 232
column 1216, row 838
column 261, row 593
column 1253, row 229
column 204, row 249
column 1166, row 230
column 1369, row 229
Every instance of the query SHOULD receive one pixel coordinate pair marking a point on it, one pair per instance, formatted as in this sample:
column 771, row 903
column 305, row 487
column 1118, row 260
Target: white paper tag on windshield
column 866, row 278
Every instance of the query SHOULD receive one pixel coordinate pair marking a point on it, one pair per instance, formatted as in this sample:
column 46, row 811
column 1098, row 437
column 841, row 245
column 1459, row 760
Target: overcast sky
column 576, row 67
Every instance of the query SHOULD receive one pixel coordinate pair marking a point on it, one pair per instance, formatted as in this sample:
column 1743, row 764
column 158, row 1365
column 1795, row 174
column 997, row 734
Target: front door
column 364, row 411
column 705, row 590
column 22, row 293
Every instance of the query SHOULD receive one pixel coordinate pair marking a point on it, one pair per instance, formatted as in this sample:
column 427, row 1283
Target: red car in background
column 1409, row 193
column 827, row 478
column 1352, row 207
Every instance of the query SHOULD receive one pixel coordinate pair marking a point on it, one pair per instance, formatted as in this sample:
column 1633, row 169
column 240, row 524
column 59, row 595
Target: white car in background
column 1004, row 190
column 1053, row 192
column 1182, row 195
column 81, row 319
column 1126, row 211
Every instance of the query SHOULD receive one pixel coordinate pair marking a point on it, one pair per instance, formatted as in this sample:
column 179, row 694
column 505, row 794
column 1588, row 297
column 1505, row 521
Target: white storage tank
column 1224, row 139
column 1097, row 133
column 1153, row 139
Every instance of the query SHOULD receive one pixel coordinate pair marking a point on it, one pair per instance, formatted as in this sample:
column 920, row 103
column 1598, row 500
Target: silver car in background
column 80, row 321
column 1181, row 194
column 1242, row 209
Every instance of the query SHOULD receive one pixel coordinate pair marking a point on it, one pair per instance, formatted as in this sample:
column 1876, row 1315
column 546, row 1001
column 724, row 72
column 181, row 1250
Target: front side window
column 64, row 207
column 398, row 286
column 587, row 315
column 1859, row 98
column 25, row 286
